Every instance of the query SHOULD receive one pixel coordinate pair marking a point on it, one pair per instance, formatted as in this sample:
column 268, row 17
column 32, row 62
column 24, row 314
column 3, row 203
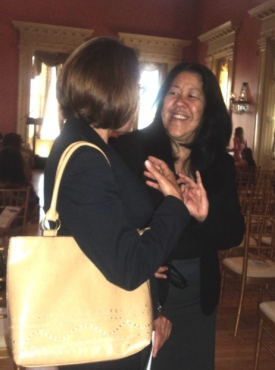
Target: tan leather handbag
column 61, row 308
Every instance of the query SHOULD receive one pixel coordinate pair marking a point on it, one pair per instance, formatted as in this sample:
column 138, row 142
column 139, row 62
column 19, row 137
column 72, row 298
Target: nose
column 180, row 100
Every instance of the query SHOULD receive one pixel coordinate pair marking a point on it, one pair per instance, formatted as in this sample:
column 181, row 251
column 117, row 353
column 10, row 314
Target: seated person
column 247, row 160
column 246, row 168
column 12, row 175
column 15, row 140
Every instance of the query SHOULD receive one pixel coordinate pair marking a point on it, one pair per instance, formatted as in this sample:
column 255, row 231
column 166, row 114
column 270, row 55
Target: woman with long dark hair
column 190, row 132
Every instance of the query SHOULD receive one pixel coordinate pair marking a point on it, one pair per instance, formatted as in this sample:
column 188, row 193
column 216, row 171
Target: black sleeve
column 224, row 226
column 90, row 208
column 130, row 148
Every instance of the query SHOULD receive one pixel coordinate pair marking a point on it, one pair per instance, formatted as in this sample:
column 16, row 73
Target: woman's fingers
column 194, row 196
column 192, row 193
column 155, row 160
column 161, row 166
column 149, row 175
column 183, row 179
column 162, row 327
column 166, row 181
column 161, row 273
column 153, row 184
column 198, row 177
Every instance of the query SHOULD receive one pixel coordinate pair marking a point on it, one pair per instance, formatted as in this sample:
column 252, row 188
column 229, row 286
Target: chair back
column 257, row 203
column 14, row 210
column 259, row 239
column 265, row 179
column 247, row 176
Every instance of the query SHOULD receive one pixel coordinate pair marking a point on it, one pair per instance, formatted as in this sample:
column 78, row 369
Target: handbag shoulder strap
column 52, row 214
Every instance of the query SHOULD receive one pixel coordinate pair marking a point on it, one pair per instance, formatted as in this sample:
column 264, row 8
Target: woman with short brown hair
column 103, row 204
column 99, row 84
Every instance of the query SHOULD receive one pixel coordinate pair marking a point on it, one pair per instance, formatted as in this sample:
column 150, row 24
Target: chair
column 4, row 353
column 255, row 265
column 266, row 325
column 247, row 176
column 265, row 179
column 14, row 211
column 257, row 201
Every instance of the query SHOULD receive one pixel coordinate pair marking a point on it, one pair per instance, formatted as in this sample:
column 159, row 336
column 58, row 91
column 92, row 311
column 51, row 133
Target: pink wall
column 246, row 60
column 184, row 19
column 107, row 17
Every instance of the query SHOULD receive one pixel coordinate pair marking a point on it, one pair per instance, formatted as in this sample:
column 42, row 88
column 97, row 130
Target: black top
column 102, row 206
column 224, row 225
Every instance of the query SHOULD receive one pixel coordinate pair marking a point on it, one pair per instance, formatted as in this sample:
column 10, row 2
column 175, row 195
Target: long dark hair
column 12, row 166
column 214, row 133
column 12, row 139
column 239, row 132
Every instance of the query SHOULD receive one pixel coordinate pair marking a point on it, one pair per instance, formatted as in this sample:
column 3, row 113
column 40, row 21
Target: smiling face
column 183, row 107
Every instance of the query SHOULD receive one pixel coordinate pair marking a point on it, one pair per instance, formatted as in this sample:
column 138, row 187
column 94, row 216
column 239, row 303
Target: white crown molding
column 155, row 49
column 264, row 10
column 220, row 40
column 266, row 13
column 45, row 37
column 219, row 32
column 50, row 37
column 220, row 44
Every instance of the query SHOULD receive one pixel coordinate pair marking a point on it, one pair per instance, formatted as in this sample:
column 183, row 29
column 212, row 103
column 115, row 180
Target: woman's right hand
column 161, row 177
column 194, row 196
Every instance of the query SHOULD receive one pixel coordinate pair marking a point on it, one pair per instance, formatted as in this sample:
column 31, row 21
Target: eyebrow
column 190, row 88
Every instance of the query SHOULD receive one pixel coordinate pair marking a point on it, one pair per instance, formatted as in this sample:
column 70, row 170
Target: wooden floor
column 231, row 353
column 238, row 353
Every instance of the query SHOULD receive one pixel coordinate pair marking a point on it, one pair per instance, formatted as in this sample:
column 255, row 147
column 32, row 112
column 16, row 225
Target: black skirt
column 134, row 362
column 191, row 345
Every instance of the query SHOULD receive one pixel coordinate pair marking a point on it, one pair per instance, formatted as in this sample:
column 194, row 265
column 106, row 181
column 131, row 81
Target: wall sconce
column 241, row 105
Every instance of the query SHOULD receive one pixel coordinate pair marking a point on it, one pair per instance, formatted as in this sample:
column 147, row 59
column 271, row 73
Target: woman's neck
column 102, row 132
column 181, row 153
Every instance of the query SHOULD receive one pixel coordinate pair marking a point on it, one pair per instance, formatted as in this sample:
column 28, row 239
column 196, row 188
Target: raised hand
column 194, row 196
column 162, row 178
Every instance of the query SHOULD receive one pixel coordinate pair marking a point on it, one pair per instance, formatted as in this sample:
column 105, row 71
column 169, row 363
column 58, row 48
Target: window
column 157, row 56
column 149, row 86
column 220, row 54
column 43, row 102
column 223, row 75
column 40, row 37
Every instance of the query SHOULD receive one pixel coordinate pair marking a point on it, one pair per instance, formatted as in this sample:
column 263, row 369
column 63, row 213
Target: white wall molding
column 36, row 36
column 221, row 39
column 264, row 129
column 156, row 49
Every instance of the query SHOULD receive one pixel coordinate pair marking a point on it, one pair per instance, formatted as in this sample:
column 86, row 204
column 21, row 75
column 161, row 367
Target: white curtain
column 152, row 75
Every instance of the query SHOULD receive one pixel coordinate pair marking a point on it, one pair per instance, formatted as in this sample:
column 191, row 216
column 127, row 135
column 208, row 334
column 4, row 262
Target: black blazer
column 102, row 206
column 224, row 225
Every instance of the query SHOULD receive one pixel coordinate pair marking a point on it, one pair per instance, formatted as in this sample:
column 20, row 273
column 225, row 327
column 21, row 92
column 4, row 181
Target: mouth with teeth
column 179, row 116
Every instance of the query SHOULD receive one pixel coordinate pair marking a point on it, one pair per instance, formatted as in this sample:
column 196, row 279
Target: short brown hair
column 99, row 83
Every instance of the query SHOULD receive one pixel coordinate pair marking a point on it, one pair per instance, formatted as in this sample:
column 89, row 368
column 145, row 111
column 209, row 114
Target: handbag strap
column 52, row 214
